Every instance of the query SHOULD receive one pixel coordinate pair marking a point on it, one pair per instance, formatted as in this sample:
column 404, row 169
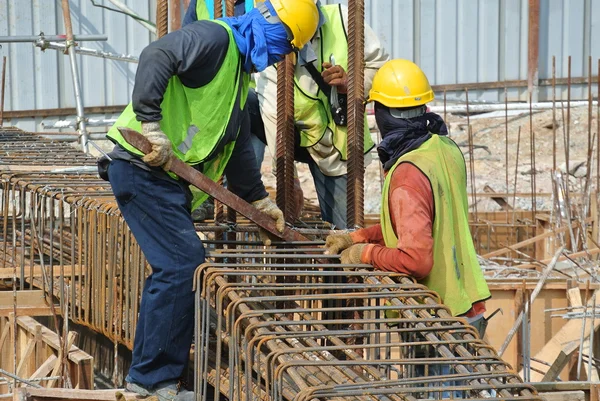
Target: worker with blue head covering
column 189, row 101
column 320, row 104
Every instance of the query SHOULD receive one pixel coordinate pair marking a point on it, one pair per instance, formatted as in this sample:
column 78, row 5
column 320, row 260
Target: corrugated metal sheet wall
column 455, row 41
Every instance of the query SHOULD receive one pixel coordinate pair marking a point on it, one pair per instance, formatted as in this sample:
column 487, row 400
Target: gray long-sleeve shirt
column 195, row 54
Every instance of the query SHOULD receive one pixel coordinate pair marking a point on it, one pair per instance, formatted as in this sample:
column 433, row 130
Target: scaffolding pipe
column 44, row 44
column 53, row 38
column 81, row 127
column 482, row 108
column 120, row 5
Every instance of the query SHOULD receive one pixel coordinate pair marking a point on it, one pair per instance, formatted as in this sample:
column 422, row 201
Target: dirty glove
column 351, row 256
column 268, row 207
column 336, row 243
column 161, row 146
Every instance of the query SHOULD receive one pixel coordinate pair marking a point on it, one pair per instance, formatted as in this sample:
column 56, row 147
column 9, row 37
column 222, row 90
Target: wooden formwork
column 39, row 355
column 508, row 295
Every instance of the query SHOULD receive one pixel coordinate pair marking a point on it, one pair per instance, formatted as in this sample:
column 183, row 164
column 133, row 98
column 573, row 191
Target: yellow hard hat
column 300, row 17
column 401, row 83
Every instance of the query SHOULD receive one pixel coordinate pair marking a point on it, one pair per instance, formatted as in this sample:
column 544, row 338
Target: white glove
column 161, row 146
column 268, row 207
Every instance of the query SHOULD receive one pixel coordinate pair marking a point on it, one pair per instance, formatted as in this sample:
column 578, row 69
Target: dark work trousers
column 157, row 210
column 331, row 190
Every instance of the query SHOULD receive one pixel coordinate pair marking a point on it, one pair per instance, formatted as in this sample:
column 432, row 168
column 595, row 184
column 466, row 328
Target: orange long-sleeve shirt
column 412, row 212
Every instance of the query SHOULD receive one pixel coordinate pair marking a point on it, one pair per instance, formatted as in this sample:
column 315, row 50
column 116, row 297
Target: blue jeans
column 157, row 211
column 331, row 191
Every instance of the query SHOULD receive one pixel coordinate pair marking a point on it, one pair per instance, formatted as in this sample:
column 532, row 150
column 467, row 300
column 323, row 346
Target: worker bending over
column 189, row 101
column 424, row 230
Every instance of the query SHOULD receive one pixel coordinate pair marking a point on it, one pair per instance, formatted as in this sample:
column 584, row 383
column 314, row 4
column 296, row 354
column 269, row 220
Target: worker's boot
column 168, row 391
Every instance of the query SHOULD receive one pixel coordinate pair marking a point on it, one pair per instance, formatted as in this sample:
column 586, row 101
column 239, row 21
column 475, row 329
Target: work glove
column 336, row 243
column 351, row 256
column 161, row 146
column 268, row 207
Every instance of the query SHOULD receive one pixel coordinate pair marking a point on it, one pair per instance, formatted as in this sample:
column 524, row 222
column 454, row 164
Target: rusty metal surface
column 275, row 326
column 356, row 109
column 162, row 18
column 284, row 158
column 282, row 323
column 199, row 180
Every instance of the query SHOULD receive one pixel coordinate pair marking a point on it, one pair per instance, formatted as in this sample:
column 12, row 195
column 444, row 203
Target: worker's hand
column 336, row 243
column 269, row 207
column 351, row 256
column 335, row 75
column 161, row 146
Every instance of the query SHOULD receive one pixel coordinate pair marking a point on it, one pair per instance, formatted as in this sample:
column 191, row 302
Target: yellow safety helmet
column 401, row 83
column 300, row 17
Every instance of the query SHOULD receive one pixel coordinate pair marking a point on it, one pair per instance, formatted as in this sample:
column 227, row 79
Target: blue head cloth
column 261, row 43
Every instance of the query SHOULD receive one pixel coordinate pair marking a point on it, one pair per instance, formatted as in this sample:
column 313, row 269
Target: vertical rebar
column 506, row 142
column 2, row 87
column 81, row 120
column 285, row 137
column 533, row 166
column 175, row 14
column 229, row 7
column 471, row 156
column 533, row 51
column 218, row 9
column 554, row 113
column 162, row 18
column 356, row 130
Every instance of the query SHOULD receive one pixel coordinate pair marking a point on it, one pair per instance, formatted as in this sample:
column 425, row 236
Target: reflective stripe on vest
column 312, row 112
column 456, row 275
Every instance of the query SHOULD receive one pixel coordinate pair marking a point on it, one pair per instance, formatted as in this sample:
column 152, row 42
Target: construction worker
column 321, row 132
column 424, row 230
column 321, row 135
column 189, row 102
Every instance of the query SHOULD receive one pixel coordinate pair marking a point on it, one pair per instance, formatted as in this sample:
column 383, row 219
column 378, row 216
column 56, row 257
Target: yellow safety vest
column 312, row 110
column 196, row 119
column 456, row 275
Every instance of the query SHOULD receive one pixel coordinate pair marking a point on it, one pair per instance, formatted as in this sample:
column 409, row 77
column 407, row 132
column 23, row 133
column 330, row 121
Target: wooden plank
column 575, row 395
column 36, row 270
column 25, row 356
column 530, row 241
column 50, row 338
column 31, row 303
column 45, row 368
column 38, row 394
column 563, row 340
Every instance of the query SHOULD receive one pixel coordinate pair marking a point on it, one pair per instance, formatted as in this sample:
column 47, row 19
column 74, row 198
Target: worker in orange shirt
column 424, row 230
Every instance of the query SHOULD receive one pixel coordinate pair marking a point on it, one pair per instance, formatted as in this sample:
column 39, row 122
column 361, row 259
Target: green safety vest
column 456, row 275
column 196, row 119
column 202, row 10
column 312, row 110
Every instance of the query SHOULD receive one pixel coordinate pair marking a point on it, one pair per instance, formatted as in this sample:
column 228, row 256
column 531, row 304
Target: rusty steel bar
column 284, row 158
column 202, row 182
column 218, row 8
column 162, row 18
column 175, row 14
column 356, row 110
column 248, row 297
column 2, row 90
column 229, row 7
column 533, row 52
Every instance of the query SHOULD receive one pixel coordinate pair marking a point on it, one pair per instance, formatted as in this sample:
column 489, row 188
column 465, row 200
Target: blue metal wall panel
column 39, row 80
column 455, row 41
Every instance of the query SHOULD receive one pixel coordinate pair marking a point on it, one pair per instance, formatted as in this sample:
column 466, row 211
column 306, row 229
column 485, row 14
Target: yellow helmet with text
column 401, row 83
column 300, row 17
